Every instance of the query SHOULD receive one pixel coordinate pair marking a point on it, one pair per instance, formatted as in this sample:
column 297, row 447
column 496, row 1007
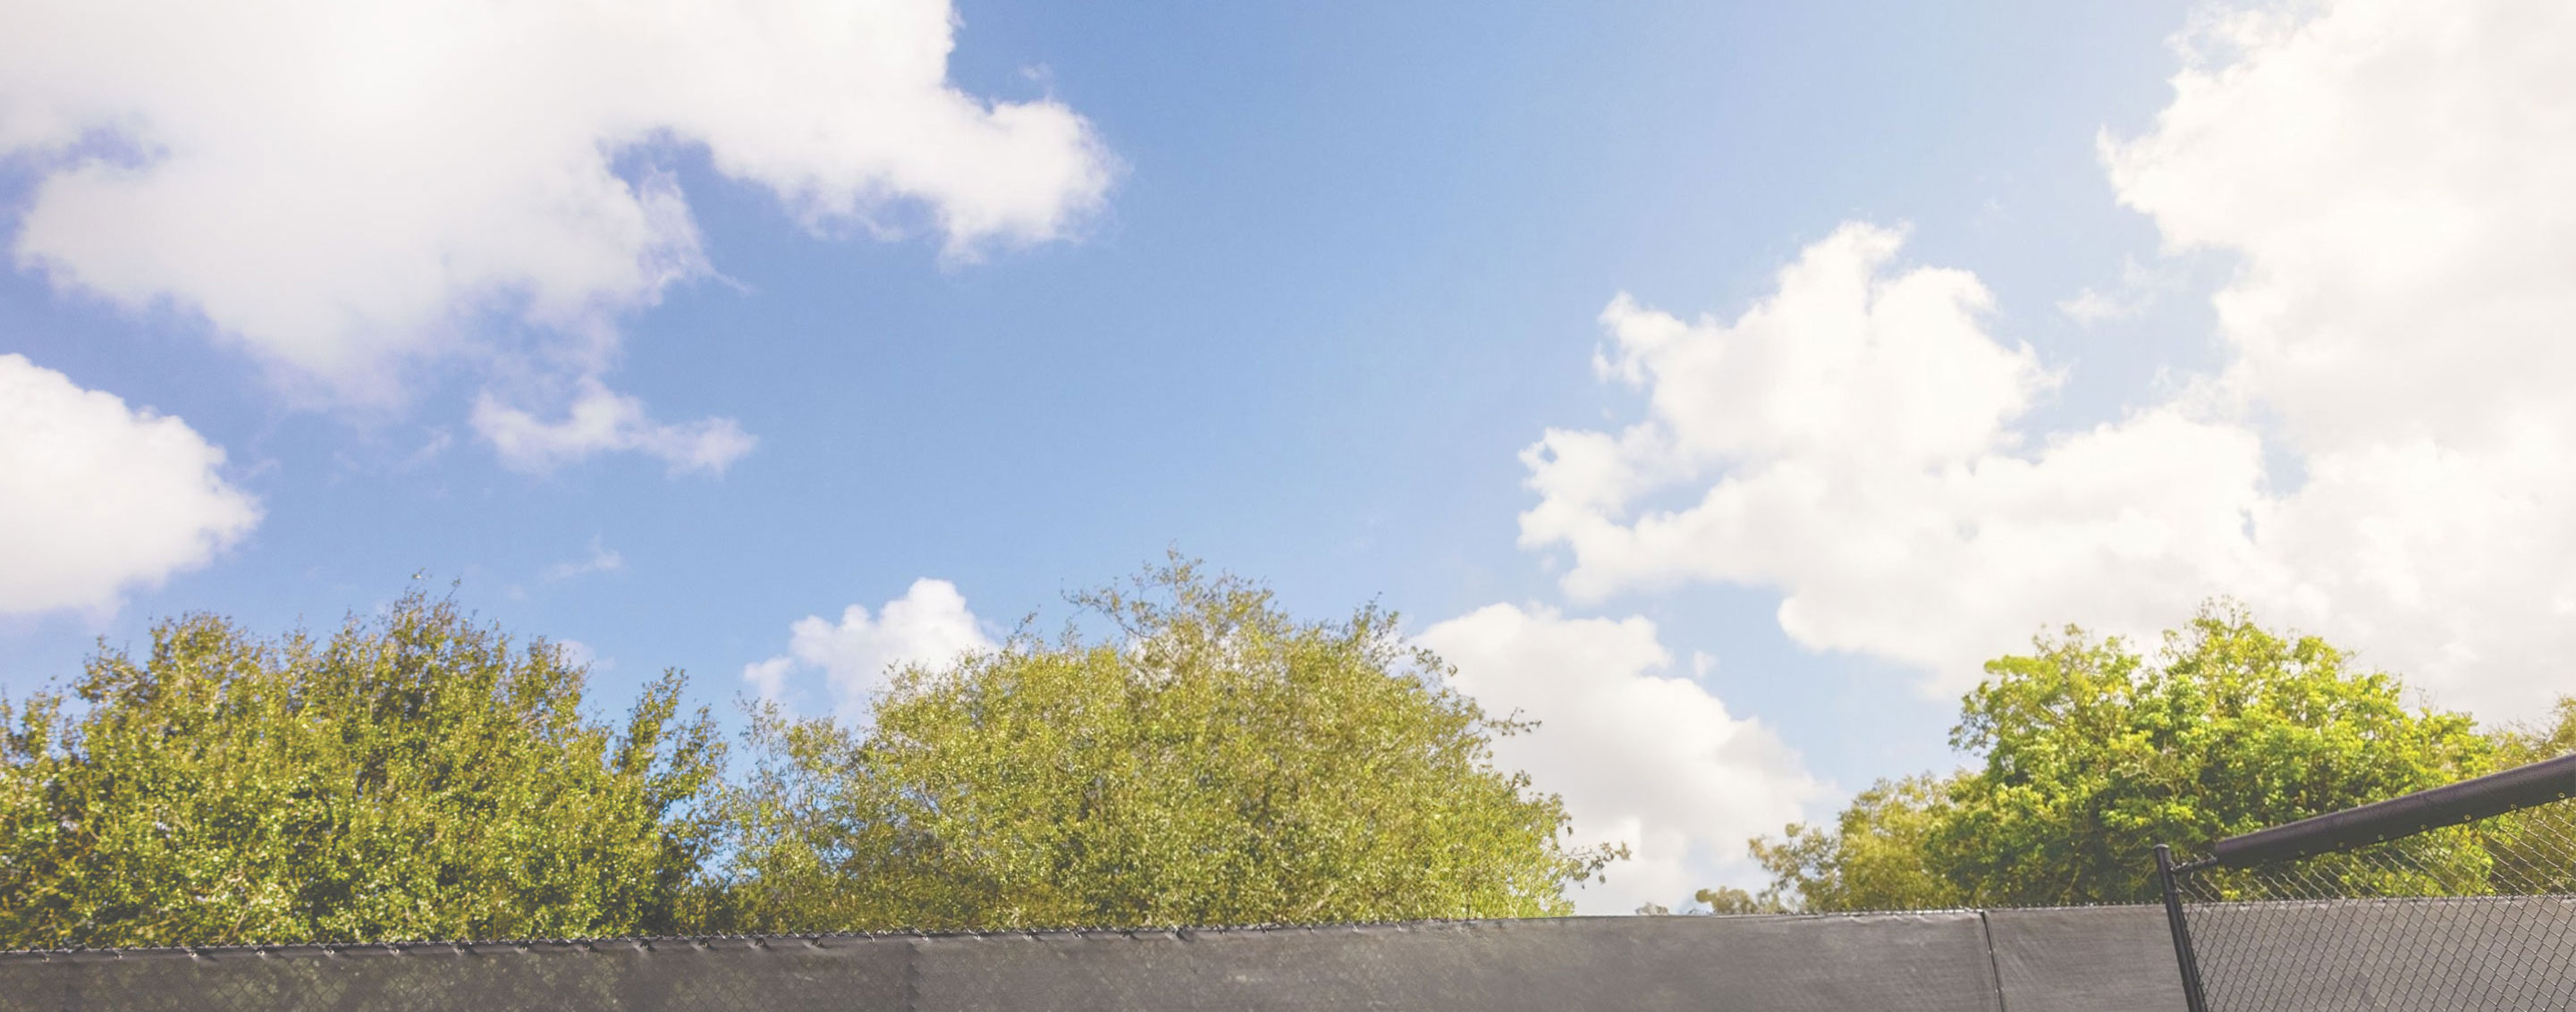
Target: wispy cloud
column 2139, row 288
column 601, row 420
column 601, row 559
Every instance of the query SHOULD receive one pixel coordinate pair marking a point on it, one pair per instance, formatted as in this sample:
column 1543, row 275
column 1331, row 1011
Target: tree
column 414, row 777
column 1731, row 900
column 1213, row 761
column 2529, row 847
column 2090, row 756
column 1874, row 857
column 2526, row 743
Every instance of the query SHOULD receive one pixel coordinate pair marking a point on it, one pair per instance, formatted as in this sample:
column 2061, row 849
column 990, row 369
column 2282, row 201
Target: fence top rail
column 2494, row 794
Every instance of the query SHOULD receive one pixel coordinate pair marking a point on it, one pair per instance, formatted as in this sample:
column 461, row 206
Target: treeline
column 2087, row 755
column 1202, row 758
column 419, row 775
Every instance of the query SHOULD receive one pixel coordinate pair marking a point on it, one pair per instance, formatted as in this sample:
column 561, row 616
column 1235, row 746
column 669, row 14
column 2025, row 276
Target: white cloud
column 602, row 420
column 2089, row 307
column 97, row 498
column 346, row 188
column 769, row 677
column 602, row 559
column 929, row 624
column 1850, row 441
column 580, row 655
column 2391, row 177
column 2139, row 287
column 1645, row 758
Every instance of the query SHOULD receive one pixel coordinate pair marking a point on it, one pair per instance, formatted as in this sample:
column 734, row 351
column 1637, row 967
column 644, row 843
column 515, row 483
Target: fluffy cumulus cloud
column 2389, row 177
column 1850, row 440
column 97, row 497
column 2392, row 177
column 929, row 624
column 1642, row 755
column 343, row 188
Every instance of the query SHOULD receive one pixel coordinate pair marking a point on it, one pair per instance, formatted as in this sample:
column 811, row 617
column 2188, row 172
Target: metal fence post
column 2183, row 957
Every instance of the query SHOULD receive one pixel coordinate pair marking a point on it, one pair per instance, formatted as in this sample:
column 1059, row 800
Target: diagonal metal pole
column 2183, row 957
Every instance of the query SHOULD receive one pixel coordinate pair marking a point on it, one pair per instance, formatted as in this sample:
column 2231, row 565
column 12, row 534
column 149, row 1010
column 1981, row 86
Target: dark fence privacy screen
column 2105, row 959
column 2459, row 899
column 2462, row 898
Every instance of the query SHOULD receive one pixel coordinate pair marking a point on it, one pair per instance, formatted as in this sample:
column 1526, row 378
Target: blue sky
column 1350, row 262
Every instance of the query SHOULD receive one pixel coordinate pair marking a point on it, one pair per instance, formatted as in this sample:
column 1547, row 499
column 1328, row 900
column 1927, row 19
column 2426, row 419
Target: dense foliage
column 1213, row 761
column 1876, row 856
column 2530, row 847
column 2091, row 756
column 1201, row 757
column 415, row 776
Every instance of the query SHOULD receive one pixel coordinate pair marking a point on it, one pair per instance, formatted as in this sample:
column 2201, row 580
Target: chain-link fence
column 2462, row 897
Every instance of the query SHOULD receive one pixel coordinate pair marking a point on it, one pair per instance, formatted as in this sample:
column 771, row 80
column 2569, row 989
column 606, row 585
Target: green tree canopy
column 2529, row 847
column 2090, row 756
column 2528, row 743
column 1874, row 857
column 1212, row 761
column 413, row 777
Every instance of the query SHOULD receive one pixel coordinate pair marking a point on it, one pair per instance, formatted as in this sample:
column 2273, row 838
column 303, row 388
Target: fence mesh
column 2480, row 915
column 2105, row 960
